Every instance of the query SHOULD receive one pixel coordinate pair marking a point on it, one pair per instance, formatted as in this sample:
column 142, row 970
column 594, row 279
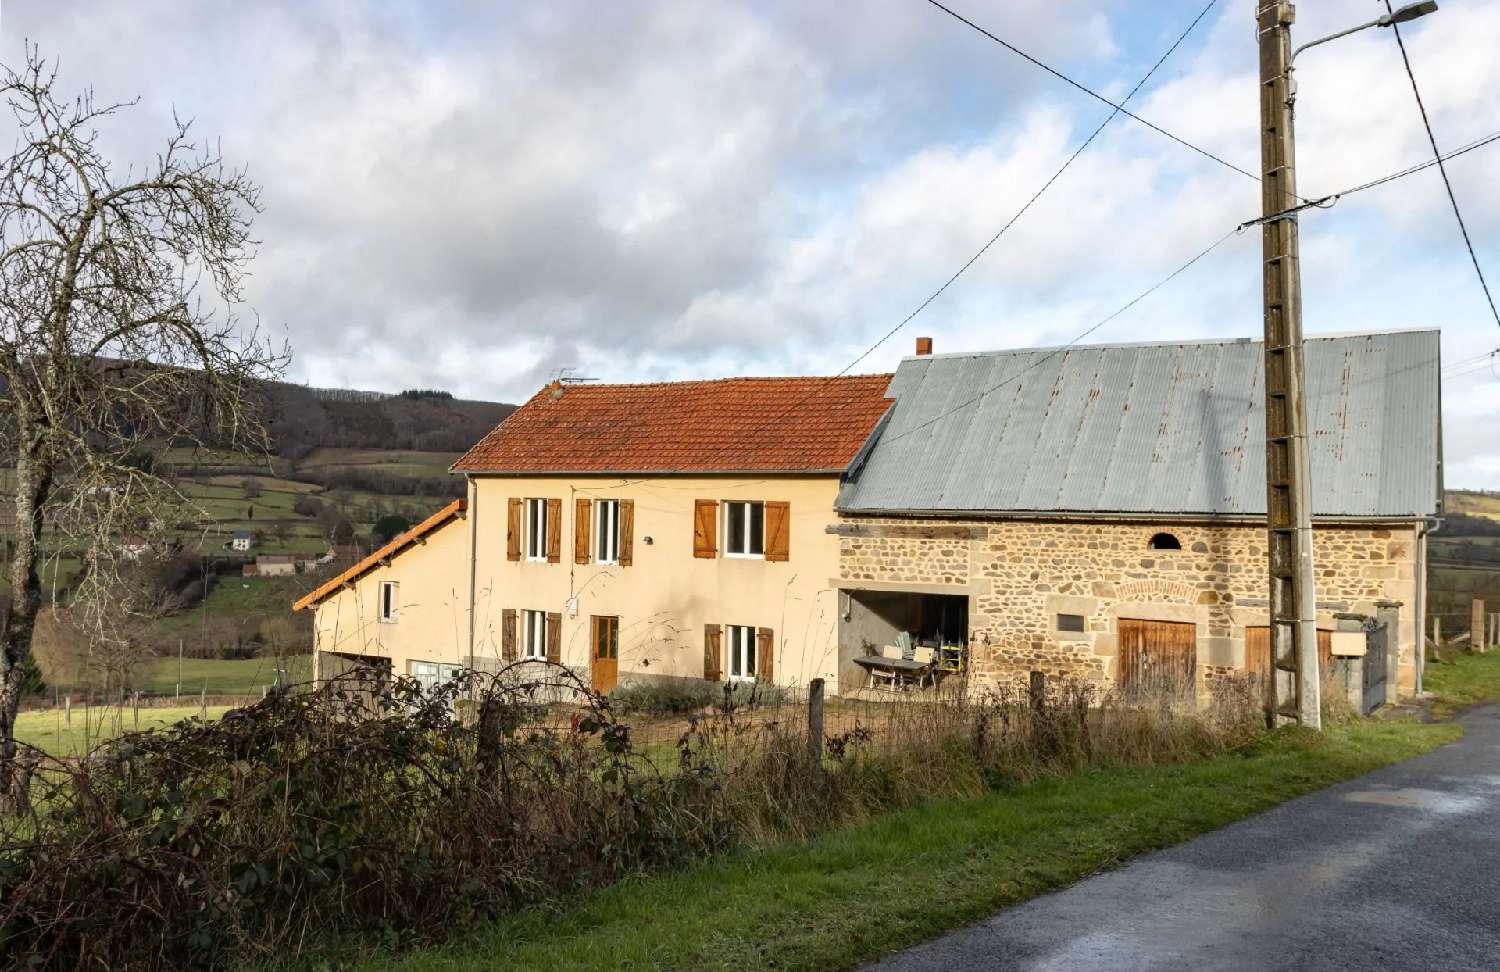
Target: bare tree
column 117, row 336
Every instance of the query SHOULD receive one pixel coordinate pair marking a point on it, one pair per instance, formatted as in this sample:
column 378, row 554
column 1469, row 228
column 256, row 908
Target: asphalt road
column 1399, row 869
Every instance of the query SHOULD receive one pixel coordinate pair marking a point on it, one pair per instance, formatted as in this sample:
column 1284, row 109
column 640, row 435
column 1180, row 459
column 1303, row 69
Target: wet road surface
column 1396, row 870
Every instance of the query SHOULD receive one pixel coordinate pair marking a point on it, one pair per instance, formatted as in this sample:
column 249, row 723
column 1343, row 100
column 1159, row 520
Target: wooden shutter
column 554, row 637
column 713, row 652
column 508, row 634
column 582, row 511
column 705, row 529
column 514, row 511
column 627, row 532
column 765, row 655
column 554, row 530
column 778, row 531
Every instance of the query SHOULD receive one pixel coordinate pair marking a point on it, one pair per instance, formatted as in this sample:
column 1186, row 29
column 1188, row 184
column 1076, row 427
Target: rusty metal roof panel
column 1172, row 428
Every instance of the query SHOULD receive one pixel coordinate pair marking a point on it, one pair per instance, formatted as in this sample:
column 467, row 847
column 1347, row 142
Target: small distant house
column 275, row 565
column 241, row 540
column 134, row 548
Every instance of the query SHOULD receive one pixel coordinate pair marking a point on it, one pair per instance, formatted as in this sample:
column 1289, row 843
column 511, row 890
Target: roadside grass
column 864, row 890
column 1462, row 678
column 47, row 730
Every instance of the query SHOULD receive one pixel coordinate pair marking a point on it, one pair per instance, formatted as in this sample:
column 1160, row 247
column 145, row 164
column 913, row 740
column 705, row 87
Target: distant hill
column 302, row 419
column 1464, row 557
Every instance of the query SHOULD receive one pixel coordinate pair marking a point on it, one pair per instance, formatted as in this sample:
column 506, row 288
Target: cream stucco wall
column 432, row 597
column 666, row 596
column 663, row 599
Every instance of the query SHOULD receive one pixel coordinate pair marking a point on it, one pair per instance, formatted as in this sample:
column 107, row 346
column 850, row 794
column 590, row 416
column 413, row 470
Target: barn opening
column 873, row 621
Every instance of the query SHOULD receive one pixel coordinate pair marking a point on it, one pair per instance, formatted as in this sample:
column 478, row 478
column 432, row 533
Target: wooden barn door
column 1258, row 650
column 1156, row 657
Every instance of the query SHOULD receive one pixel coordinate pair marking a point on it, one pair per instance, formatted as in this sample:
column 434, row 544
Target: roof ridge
column 1203, row 342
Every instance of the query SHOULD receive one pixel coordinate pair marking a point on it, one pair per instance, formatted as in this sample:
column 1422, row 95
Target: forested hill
column 303, row 419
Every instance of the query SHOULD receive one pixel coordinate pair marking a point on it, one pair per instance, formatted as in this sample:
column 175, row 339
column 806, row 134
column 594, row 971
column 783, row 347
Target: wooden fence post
column 815, row 722
column 1037, row 694
column 1476, row 625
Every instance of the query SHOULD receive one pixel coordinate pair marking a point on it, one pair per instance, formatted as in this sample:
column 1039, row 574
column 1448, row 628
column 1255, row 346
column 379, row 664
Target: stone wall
column 1021, row 574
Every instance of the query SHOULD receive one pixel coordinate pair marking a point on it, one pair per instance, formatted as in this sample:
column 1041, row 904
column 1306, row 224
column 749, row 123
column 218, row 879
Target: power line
column 1115, row 113
column 1438, row 156
column 1324, row 202
column 1090, row 91
column 1038, row 361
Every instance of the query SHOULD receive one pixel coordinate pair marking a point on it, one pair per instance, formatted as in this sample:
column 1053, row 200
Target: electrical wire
column 1037, row 361
column 1438, row 157
column 1324, row 202
column 1091, row 92
column 1118, row 110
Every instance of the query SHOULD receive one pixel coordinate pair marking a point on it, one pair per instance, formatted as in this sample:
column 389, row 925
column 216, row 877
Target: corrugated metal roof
column 1153, row 428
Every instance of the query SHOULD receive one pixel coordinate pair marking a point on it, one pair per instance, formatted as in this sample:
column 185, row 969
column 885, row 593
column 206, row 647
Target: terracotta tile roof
column 730, row 425
column 398, row 544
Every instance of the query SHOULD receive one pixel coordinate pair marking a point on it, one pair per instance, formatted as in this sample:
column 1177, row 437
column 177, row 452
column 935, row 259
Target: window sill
column 388, row 620
column 741, row 556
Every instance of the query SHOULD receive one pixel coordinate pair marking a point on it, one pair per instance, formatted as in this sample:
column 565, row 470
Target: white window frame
column 607, row 522
column 432, row 674
column 534, row 642
column 535, row 539
column 389, row 609
column 739, row 647
column 748, row 533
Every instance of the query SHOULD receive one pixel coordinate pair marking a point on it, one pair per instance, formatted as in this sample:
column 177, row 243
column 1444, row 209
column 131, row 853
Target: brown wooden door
column 1258, row 650
column 605, row 666
column 1157, row 657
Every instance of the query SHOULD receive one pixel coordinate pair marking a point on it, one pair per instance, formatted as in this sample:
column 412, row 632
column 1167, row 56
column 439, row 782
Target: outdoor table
column 899, row 666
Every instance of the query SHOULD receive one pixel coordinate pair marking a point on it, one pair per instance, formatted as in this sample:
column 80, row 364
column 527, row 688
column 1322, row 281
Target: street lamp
column 1294, row 687
column 1398, row 16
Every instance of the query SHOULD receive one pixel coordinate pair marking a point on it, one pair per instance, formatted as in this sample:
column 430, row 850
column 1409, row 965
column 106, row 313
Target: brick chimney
column 924, row 345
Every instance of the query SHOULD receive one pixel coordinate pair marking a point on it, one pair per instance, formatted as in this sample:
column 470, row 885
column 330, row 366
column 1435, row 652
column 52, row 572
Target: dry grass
column 252, row 838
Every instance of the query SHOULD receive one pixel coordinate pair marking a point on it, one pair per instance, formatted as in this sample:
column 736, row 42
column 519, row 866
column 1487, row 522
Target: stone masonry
column 1020, row 575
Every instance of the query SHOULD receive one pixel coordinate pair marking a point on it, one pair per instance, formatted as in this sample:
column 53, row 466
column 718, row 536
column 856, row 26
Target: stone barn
column 1100, row 511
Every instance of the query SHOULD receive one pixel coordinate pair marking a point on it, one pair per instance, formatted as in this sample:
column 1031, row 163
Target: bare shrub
column 367, row 813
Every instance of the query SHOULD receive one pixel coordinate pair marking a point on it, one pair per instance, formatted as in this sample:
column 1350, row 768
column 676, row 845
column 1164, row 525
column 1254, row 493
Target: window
column 741, row 652
column 1164, row 541
column 388, row 601
column 432, row 674
column 1070, row 622
column 536, row 529
column 608, row 516
column 744, row 529
column 606, row 637
column 535, row 645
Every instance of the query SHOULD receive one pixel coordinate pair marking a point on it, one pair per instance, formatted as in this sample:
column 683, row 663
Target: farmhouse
column 1099, row 511
column 632, row 532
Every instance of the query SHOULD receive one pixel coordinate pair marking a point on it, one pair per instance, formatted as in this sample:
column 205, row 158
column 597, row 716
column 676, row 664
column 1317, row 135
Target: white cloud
column 471, row 196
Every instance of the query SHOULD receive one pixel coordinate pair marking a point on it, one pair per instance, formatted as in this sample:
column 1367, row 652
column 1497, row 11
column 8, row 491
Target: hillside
column 343, row 463
column 1464, row 557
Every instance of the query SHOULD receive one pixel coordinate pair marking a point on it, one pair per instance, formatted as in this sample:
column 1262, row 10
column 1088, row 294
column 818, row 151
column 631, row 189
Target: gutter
column 1133, row 517
column 473, row 558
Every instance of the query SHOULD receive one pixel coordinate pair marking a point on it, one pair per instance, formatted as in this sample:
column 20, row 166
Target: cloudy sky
column 471, row 195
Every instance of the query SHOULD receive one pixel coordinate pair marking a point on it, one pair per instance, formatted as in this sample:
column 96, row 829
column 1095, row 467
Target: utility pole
column 1293, row 601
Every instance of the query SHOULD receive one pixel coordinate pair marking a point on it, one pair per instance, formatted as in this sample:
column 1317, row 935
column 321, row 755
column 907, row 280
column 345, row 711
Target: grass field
column 1462, row 679
column 222, row 676
column 857, row 893
column 1473, row 504
column 50, row 731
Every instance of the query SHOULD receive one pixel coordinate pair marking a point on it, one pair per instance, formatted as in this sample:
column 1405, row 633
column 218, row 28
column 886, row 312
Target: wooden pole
column 1476, row 625
column 1293, row 603
column 815, row 722
column 1037, row 694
